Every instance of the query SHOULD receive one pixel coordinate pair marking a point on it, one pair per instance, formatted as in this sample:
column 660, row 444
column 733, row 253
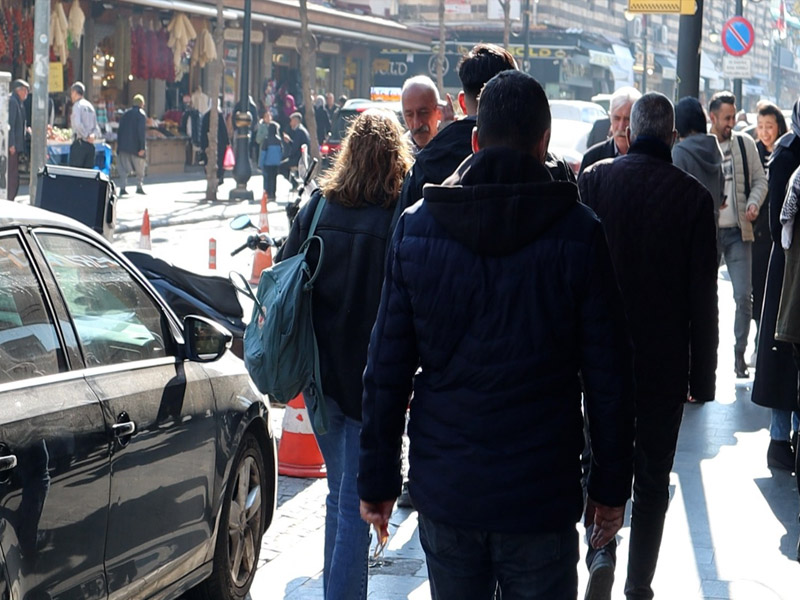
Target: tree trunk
column 215, row 75
column 440, row 56
column 308, row 68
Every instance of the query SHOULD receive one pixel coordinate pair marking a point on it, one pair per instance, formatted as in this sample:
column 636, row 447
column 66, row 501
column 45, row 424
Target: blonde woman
column 361, row 190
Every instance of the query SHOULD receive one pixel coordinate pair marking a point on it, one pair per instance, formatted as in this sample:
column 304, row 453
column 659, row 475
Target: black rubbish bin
column 86, row 195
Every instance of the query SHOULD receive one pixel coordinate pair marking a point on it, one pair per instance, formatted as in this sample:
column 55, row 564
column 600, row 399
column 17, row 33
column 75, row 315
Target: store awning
column 623, row 70
column 364, row 28
column 668, row 65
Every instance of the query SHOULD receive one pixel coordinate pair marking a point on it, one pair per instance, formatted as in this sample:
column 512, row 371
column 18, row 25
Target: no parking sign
column 737, row 36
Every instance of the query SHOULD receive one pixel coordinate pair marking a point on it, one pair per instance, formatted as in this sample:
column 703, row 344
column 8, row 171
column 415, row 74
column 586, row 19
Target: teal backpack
column 280, row 347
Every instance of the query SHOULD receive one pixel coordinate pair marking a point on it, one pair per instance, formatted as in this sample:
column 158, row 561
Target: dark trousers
column 81, row 154
column 466, row 564
column 271, row 181
column 658, row 421
column 13, row 175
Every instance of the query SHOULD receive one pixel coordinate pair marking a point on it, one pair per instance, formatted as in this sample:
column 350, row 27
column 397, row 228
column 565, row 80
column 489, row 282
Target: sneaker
column 123, row 192
column 139, row 190
column 404, row 500
column 601, row 576
column 780, row 456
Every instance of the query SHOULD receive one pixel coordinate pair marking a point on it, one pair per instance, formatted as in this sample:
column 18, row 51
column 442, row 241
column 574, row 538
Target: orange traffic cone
column 298, row 452
column 144, row 238
column 262, row 258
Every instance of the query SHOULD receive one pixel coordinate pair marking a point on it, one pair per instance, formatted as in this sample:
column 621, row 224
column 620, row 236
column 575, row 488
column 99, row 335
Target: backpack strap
column 745, row 166
column 317, row 214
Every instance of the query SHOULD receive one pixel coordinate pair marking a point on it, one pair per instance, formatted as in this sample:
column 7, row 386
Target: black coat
column 222, row 137
column 762, row 245
column 131, row 132
column 776, row 383
column 598, row 152
column 346, row 293
column 499, row 286
column 660, row 227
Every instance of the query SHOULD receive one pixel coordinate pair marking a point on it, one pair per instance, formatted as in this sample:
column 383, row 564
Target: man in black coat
column 617, row 145
column 499, row 286
column 16, row 133
column 222, row 139
column 660, row 227
column 131, row 144
column 296, row 138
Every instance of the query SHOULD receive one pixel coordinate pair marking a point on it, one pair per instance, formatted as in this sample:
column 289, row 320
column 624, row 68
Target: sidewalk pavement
column 732, row 526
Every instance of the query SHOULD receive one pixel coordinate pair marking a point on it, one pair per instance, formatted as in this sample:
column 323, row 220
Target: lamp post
column 242, row 119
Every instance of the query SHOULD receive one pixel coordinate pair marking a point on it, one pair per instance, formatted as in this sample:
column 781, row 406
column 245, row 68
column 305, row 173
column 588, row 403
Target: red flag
column 782, row 20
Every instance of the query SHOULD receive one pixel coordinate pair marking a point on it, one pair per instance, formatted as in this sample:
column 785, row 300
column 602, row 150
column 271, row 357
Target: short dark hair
column 690, row 117
column 482, row 63
column 653, row 116
column 766, row 108
column 513, row 111
column 78, row 88
column 720, row 98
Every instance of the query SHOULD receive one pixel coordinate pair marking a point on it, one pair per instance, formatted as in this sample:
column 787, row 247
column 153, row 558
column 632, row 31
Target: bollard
column 212, row 253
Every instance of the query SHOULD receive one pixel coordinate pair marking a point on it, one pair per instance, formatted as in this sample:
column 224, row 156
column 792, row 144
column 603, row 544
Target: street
column 732, row 527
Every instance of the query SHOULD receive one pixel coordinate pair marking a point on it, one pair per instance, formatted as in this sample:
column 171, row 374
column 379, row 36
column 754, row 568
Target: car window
column 590, row 115
column 115, row 319
column 29, row 345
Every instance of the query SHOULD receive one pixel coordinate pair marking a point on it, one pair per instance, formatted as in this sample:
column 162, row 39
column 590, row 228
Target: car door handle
column 124, row 429
column 8, row 462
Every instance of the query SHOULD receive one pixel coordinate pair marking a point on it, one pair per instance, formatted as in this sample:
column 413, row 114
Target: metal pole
column 737, row 83
column 243, row 119
column 41, row 76
column 526, row 26
column 689, row 38
column 644, row 51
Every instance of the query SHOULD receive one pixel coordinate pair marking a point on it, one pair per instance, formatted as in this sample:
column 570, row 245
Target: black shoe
column 740, row 366
column 779, row 456
column 122, row 192
column 139, row 190
column 601, row 576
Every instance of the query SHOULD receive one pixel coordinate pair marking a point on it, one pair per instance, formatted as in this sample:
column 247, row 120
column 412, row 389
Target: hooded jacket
column 499, row 286
column 700, row 156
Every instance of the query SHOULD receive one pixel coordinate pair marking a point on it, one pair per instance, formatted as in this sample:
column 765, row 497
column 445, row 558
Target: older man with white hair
column 422, row 110
column 617, row 145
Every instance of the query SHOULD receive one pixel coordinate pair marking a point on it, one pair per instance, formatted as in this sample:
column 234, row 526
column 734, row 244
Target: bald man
column 421, row 110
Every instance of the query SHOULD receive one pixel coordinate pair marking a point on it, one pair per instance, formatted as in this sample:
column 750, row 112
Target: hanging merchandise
column 27, row 38
column 204, row 50
column 181, row 33
column 59, row 31
column 76, row 20
column 6, row 43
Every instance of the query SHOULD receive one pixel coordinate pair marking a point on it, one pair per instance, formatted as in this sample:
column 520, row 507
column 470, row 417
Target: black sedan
column 136, row 457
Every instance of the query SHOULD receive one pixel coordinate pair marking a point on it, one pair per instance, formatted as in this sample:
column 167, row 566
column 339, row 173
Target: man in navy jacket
column 131, row 144
column 499, row 286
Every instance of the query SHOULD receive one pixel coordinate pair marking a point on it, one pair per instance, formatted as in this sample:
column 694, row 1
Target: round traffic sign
column 737, row 36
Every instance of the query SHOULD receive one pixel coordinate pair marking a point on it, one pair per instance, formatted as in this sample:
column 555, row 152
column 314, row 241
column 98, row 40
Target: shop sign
column 602, row 59
column 329, row 48
column 737, row 67
column 383, row 66
column 538, row 52
column 433, row 65
column 55, row 80
column 663, row 7
column 286, row 41
column 237, row 35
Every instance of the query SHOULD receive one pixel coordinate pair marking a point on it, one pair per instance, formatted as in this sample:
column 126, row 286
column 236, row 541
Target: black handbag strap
column 745, row 167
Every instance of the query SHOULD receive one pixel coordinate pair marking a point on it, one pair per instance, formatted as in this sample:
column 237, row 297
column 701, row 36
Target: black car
column 136, row 456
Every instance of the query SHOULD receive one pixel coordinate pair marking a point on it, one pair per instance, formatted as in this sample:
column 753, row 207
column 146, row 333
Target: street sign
column 737, row 36
column 662, row 7
column 737, row 67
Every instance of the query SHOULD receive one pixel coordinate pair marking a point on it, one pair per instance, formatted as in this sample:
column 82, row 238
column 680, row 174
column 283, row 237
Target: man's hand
column 286, row 138
column 90, row 139
column 377, row 514
column 751, row 213
column 12, row 150
column 141, row 153
column 607, row 522
column 448, row 112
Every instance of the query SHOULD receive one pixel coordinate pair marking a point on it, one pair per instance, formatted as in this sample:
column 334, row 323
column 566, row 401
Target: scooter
column 189, row 293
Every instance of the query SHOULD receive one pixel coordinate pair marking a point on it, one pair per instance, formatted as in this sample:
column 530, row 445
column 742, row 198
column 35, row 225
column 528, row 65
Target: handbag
column 280, row 346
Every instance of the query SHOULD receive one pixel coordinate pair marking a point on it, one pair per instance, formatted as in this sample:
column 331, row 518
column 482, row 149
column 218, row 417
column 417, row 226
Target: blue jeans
column 344, row 576
column 739, row 259
column 780, row 424
column 466, row 564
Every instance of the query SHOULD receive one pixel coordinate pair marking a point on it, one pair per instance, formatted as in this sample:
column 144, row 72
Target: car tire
column 239, row 532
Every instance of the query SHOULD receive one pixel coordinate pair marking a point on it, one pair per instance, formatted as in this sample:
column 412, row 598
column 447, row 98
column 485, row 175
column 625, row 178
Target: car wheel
column 241, row 527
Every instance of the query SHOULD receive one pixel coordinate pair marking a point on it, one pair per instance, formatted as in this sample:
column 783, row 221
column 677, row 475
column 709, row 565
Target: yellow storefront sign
column 55, row 80
column 678, row 7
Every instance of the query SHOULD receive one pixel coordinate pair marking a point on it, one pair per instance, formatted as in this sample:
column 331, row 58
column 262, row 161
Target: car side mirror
column 206, row 340
column 242, row 222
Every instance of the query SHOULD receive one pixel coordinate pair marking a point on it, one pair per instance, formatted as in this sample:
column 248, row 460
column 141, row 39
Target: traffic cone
column 262, row 258
column 212, row 253
column 298, row 452
column 144, row 239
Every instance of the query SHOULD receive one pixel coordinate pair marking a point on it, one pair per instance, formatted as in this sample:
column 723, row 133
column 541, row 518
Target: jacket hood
column 499, row 200
column 446, row 150
column 704, row 149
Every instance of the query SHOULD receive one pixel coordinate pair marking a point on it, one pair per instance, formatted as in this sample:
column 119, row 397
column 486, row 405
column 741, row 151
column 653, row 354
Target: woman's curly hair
column 372, row 164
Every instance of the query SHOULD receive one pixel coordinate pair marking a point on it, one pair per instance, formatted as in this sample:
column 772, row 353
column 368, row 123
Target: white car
column 568, row 140
column 577, row 110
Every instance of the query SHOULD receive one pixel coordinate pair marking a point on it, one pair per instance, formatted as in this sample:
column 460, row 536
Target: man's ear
column 674, row 137
column 461, row 102
column 475, row 146
column 628, row 136
column 541, row 147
